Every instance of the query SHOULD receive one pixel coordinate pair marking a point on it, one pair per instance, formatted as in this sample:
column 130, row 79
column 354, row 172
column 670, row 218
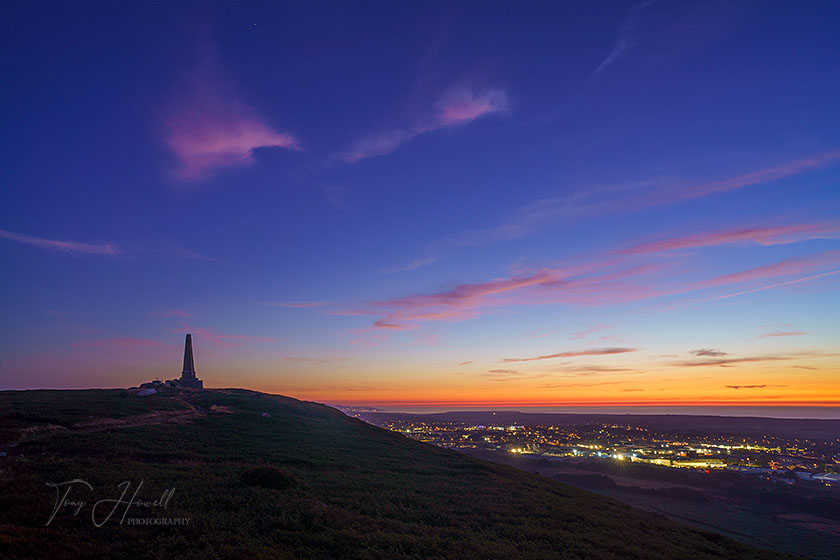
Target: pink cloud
column 782, row 268
column 459, row 106
column 763, row 236
column 104, row 249
column 574, row 353
column 763, row 175
column 598, row 282
column 383, row 324
column 209, row 129
column 575, row 285
column 759, row 289
column 466, row 293
column 455, row 304
column 462, row 105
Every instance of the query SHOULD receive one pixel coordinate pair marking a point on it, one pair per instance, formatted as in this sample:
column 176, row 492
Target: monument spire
column 189, row 364
column 188, row 378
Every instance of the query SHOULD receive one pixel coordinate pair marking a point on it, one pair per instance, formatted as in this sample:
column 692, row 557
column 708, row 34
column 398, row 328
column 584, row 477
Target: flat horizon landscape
column 756, row 411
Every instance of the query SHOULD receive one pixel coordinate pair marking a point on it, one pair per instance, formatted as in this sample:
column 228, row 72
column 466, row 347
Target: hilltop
column 266, row 476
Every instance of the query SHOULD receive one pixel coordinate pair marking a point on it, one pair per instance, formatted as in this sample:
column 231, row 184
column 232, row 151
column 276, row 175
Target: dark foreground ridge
column 263, row 476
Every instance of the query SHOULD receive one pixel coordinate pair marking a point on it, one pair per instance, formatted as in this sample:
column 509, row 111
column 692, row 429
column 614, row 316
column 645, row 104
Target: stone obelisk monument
column 188, row 378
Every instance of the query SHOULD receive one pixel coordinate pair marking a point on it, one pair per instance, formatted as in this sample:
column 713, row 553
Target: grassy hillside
column 263, row 476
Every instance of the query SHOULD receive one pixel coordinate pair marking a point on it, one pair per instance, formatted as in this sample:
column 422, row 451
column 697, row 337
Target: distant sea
column 812, row 412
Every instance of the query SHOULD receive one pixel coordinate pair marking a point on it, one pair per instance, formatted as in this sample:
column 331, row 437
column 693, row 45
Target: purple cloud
column 209, row 129
column 459, row 106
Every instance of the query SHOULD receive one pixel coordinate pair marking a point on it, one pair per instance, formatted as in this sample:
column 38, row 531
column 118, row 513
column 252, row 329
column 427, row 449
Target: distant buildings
column 778, row 458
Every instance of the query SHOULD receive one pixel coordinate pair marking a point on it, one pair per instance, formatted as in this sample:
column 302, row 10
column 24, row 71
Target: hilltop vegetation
column 262, row 476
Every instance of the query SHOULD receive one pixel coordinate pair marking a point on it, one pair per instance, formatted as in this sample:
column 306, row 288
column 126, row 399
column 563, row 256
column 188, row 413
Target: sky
column 431, row 204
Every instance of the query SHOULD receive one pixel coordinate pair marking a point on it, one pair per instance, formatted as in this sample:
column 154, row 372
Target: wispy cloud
column 787, row 267
column 461, row 105
column 189, row 254
column 625, row 41
column 633, row 196
column 753, row 386
column 300, row 304
column 782, row 333
column 458, row 106
column 585, row 284
column 209, row 128
column 530, row 217
column 729, row 362
column 64, row 246
column 709, row 352
column 454, row 304
column 468, row 362
column 764, row 236
column 570, row 385
column 383, row 324
column 512, row 375
column 169, row 313
column 758, row 289
column 413, row 265
column 761, row 176
column 597, row 281
column 123, row 342
column 573, row 353
column 585, row 371
column 588, row 332
column 472, row 292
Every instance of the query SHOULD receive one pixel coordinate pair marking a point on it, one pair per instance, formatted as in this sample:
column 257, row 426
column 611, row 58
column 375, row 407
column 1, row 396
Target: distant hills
column 797, row 427
column 240, row 474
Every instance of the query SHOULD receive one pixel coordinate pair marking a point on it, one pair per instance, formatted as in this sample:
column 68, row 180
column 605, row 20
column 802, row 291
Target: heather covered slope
column 263, row 476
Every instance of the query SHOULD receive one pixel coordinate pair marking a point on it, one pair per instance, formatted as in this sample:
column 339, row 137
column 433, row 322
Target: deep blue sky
column 345, row 201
